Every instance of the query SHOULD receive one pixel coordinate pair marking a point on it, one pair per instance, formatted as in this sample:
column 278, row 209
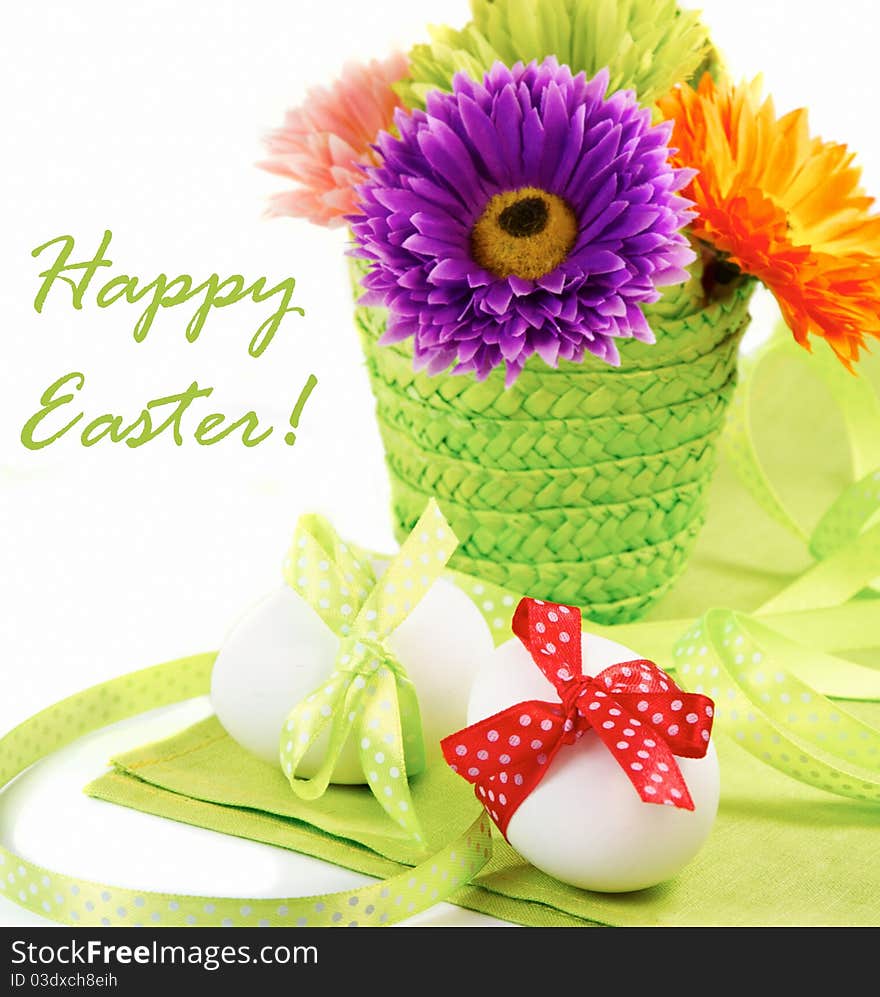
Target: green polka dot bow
column 368, row 696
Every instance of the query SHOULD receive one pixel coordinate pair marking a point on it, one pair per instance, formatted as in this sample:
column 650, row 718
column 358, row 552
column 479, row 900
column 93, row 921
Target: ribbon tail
column 322, row 569
column 640, row 749
column 420, row 561
column 505, row 756
column 335, row 704
column 382, row 752
column 648, row 762
column 411, row 725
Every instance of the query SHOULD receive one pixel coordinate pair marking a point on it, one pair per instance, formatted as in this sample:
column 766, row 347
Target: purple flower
column 524, row 214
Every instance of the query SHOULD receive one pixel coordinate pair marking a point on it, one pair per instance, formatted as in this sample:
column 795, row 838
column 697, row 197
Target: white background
column 146, row 118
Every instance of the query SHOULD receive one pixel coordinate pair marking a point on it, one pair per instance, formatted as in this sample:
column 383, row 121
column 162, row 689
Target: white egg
column 281, row 651
column 584, row 823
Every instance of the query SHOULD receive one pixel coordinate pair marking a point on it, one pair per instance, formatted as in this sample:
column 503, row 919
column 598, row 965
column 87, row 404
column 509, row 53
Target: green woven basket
column 583, row 485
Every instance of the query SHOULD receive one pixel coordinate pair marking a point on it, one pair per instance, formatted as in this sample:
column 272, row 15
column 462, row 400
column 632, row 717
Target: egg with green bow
column 349, row 659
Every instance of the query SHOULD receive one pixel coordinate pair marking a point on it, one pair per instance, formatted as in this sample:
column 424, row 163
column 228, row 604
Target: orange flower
column 784, row 207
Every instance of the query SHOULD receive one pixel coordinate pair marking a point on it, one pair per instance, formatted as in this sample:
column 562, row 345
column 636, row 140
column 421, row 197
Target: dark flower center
column 726, row 272
column 527, row 232
column 524, row 218
column 718, row 273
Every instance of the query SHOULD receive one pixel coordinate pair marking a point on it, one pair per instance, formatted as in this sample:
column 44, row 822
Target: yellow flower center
column 527, row 232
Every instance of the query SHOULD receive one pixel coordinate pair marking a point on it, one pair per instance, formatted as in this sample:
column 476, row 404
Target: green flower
column 648, row 45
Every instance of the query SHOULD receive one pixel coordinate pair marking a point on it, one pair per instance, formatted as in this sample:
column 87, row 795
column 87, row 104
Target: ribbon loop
column 368, row 697
column 327, row 574
column 847, row 516
column 642, row 717
column 551, row 634
column 753, row 672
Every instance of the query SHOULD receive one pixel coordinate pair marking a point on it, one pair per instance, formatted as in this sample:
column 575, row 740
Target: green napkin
column 780, row 853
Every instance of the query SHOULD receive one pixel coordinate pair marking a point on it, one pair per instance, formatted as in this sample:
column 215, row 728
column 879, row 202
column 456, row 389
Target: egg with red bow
column 600, row 771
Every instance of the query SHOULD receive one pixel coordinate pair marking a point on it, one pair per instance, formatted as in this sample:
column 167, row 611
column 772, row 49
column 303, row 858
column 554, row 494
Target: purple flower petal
column 534, row 126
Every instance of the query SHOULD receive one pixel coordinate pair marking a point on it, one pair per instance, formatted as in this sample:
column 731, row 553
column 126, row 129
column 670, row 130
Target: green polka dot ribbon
column 857, row 403
column 764, row 683
column 74, row 901
column 845, row 544
column 751, row 672
column 368, row 696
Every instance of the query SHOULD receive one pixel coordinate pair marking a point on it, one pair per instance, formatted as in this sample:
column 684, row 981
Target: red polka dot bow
column 640, row 714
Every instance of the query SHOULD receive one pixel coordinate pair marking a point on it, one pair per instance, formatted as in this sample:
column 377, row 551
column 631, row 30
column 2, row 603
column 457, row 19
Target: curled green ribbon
column 750, row 671
column 85, row 903
column 368, row 696
column 860, row 409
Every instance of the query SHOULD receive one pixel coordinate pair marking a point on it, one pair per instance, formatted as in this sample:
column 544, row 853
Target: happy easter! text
column 60, row 414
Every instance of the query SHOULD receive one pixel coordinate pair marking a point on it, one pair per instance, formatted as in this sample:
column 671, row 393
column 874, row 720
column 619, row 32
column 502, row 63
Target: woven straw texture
column 583, row 485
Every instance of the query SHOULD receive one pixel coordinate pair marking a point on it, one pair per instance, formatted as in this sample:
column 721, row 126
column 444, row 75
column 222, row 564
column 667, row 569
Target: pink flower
column 322, row 143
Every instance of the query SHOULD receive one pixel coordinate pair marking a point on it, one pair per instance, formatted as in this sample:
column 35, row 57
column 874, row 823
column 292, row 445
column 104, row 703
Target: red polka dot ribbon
column 635, row 708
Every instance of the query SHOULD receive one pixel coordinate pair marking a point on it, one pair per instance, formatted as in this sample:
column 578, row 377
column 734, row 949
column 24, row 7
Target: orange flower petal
column 784, row 207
